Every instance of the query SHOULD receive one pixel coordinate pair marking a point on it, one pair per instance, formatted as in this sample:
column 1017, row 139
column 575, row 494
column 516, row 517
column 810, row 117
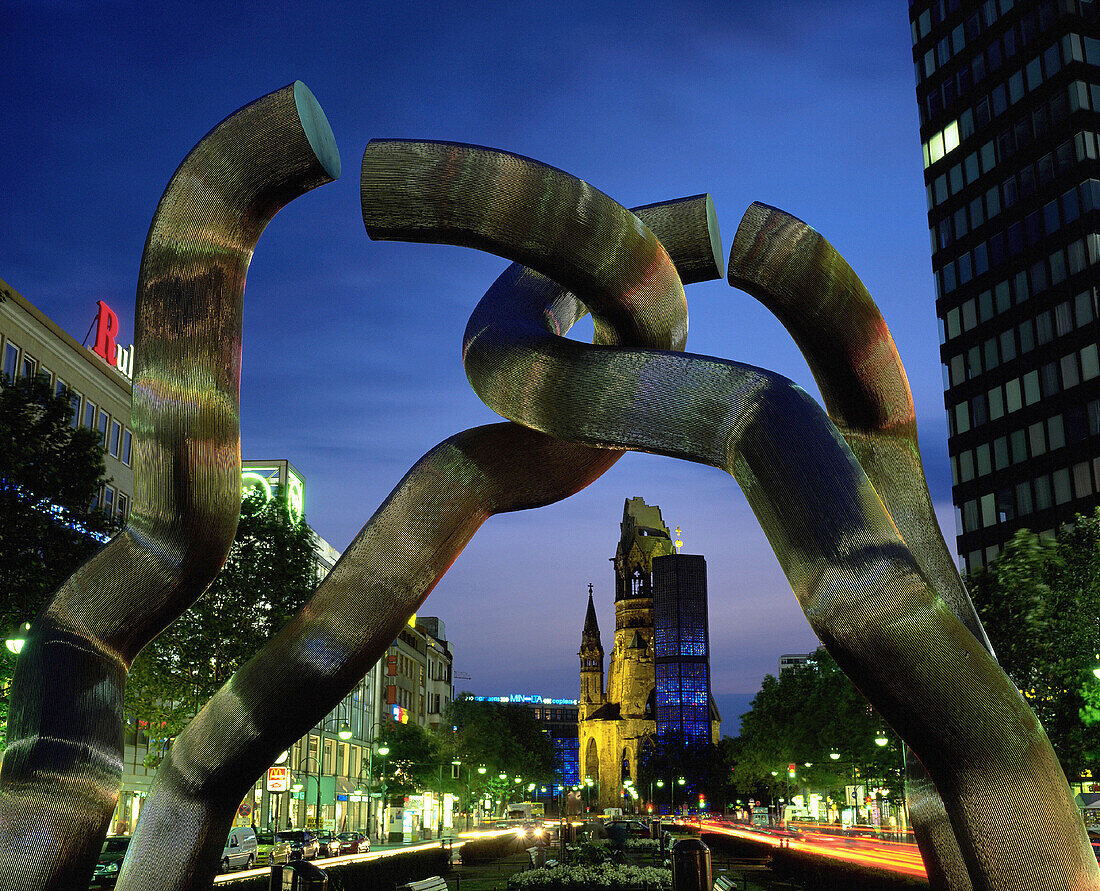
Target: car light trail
column 896, row 857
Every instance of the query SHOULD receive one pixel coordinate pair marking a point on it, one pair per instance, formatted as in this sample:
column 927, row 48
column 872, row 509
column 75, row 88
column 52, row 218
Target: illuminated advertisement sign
column 400, row 715
column 266, row 480
column 115, row 355
column 524, row 699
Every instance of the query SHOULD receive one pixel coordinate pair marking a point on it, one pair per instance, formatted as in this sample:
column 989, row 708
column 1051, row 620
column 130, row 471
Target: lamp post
column 660, row 785
column 18, row 637
column 383, row 751
column 588, row 784
column 297, row 787
column 672, row 793
column 275, row 820
column 881, row 741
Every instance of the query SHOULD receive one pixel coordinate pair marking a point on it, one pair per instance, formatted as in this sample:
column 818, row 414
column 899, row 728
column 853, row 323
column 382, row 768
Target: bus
column 526, row 810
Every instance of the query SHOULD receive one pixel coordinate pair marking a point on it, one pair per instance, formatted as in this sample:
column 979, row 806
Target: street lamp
column 297, row 787
column 660, row 785
column 383, row 751
column 18, row 637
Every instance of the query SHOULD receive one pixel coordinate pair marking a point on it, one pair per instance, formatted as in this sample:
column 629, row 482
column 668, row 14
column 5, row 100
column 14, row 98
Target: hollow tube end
column 317, row 129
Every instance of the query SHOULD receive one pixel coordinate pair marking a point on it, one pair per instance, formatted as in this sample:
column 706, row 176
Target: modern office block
column 1009, row 96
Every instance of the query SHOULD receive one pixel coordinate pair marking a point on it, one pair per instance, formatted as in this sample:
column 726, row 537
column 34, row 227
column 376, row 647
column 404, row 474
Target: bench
column 434, row 883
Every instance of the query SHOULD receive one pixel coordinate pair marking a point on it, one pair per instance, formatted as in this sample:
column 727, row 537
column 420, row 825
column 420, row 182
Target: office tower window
column 1009, row 102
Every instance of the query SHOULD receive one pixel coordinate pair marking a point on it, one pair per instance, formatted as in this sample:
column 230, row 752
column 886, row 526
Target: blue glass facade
column 681, row 647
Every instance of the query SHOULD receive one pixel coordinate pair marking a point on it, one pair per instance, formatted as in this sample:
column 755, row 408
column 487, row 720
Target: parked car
column 240, row 849
column 303, row 843
column 354, row 843
column 270, row 848
column 330, row 844
column 110, row 861
column 631, row 828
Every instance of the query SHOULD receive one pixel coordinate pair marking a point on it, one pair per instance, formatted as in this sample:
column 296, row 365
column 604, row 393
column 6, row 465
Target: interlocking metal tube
column 865, row 594
column 63, row 766
column 823, row 305
column 423, row 525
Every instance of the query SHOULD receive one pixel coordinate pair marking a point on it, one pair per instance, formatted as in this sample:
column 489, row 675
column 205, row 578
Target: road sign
column 277, row 779
column 244, row 810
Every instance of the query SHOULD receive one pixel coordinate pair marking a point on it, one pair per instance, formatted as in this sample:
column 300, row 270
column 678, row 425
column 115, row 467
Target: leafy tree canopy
column 50, row 473
column 504, row 738
column 804, row 715
column 268, row 576
column 1039, row 602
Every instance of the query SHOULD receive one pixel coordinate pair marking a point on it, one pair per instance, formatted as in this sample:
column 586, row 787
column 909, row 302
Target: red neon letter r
column 105, row 333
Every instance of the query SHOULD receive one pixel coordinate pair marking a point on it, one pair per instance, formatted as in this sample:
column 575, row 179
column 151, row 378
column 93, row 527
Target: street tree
column 802, row 717
column 415, row 758
column 50, row 475
column 269, row 574
column 504, row 738
column 697, row 762
column 1039, row 602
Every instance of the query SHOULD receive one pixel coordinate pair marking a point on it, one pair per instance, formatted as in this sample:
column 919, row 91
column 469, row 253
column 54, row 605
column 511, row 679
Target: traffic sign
column 277, row 779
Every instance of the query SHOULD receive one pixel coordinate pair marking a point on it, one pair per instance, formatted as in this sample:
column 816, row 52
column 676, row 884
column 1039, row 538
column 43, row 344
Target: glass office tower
column 681, row 648
column 1009, row 96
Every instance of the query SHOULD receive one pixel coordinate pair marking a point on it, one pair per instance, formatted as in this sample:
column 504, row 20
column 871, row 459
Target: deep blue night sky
column 352, row 365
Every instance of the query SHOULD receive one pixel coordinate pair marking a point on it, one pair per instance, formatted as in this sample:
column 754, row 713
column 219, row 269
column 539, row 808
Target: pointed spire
column 591, row 626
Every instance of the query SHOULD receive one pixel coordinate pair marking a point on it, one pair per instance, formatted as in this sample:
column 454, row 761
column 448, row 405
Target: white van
column 240, row 849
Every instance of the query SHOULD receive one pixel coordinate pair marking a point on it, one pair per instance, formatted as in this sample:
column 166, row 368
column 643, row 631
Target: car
column 354, row 843
column 630, row 828
column 240, row 848
column 531, row 831
column 270, row 848
column 303, row 843
column 110, row 860
column 330, row 844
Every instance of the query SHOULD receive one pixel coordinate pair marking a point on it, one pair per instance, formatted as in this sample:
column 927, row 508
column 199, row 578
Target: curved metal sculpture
column 825, row 308
column 846, row 510
column 865, row 593
column 411, row 541
column 63, row 765
column 867, row 596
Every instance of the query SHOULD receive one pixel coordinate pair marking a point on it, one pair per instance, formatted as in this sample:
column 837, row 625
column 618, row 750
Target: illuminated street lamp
column 344, row 732
column 18, row 637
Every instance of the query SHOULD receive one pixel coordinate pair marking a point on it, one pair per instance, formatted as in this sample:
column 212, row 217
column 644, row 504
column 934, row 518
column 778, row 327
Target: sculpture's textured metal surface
column 868, row 597
column 413, row 538
column 824, row 306
column 63, row 765
column 846, row 510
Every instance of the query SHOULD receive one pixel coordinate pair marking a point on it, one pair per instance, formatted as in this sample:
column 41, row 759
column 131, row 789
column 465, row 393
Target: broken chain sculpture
column 554, row 223
column 63, row 765
column 846, row 510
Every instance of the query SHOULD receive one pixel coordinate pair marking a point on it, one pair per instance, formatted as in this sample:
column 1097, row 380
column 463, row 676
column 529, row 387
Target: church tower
column 643, row 536
column 591, row 654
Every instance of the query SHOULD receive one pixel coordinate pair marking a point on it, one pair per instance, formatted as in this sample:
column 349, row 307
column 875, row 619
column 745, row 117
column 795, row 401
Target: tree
column 801, row 717
column 414, row 759
column 698, row 762
column 1040, row 604
column 268, row 575
column 50, row 474
column 504, row 738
